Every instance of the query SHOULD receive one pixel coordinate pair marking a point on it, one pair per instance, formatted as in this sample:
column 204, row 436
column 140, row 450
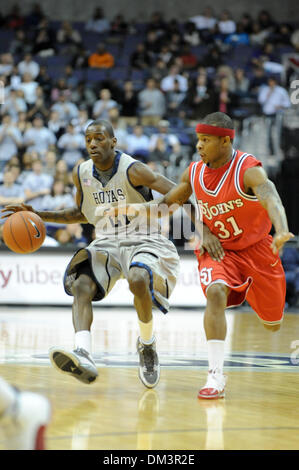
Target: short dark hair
column 103, row 123
column 219, row 119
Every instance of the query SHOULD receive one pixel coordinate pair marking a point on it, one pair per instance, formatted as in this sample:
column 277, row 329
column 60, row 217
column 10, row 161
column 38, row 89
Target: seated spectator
column 175, row 44
column 34, row 16
column 22, row 123
column 241, row 83
column 140, row 58
column 213, row 58
column 191, row 35
column 120, row 130
column 200, row 98
column 20, row 44
column 238, row 37
column 71, row 235
column 50, row 160
column 40, row 106
column 165, row 54
column 101, row 58
column 258, row 36
column 29, row 87
column 59, row 198
column 224, row 97
column 258, row 79
column 80, row 58
column 28, row 65
column 175, row 100
column 15, row 19
column 37, row 185
column 226, row 24
column 69, row 38
column 247, row 22
column 10, row 191
column 98, row 23
column 265, row 20
column 205, row 21
column 45, row 81
column 39, row 138
column 65, row 108
column 157, row 23
column 152, row 43
column 159, row 155
column 101, row 107
column 151, row 103
column 10, row 140
column 189, row 60
column 129, row 102
column 63, row 174
column 6, row 63
column 44, row 41
column 159, row 70
column 163, row 133
column 56, row 124
column 72, row 146
column 60, row 87
column 13, row 105
column 167, row 84
column 81, row 122
column 138, row 143
column 119, row 26
column 83, row 95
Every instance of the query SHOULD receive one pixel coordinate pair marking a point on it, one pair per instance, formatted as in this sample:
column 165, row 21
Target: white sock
column 216, row 354
column 83, row 340
column 7, row 395
column 146, row 332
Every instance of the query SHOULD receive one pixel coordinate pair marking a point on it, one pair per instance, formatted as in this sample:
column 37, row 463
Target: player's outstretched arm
column 71, row 215
column 257, row 180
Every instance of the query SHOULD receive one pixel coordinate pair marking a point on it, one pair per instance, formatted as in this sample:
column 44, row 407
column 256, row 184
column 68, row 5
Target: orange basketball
column 24, row 232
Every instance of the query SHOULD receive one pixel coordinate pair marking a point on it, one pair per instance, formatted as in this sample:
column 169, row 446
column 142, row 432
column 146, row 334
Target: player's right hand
column 12, row 208
column 213, row 246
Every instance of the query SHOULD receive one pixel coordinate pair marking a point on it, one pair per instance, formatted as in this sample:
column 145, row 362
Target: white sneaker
column 77, row 363
column 24, row 424
column 214, row 387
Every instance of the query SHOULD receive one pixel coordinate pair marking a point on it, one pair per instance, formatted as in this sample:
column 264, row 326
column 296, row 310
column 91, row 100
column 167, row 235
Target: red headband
column 214, row 130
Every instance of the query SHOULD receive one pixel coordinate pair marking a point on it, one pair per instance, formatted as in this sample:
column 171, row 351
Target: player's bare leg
column 79, row 363
column 149, row 368
column 215, row 329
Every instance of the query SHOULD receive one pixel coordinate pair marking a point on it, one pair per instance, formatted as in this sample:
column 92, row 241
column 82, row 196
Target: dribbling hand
column 12, row 208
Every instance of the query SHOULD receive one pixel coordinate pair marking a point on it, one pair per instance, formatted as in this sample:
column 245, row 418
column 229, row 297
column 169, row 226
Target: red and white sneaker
column 24, row 424
column 214, row 387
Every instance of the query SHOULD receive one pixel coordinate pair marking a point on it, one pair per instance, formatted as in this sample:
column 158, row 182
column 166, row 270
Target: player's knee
column 138, row 281
column 84, row 287
column 272, row 328
column 217, row 295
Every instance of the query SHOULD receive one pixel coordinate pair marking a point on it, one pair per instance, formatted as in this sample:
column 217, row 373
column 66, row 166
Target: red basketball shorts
column 254, row 274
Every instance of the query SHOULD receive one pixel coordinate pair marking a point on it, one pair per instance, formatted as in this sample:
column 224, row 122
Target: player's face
column 211, row 148
column 100, row 146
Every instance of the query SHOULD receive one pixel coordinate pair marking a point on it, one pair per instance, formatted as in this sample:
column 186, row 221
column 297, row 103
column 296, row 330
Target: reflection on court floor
column 260, row 410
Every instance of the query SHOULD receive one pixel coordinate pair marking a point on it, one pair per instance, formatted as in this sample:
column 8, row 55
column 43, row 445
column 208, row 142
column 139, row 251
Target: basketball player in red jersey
column 238, row 259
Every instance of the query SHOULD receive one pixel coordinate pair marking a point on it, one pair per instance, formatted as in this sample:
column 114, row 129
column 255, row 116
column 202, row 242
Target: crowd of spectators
column 175, row 74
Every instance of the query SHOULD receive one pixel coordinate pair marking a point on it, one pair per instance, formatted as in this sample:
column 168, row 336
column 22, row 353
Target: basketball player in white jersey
column 149, row 262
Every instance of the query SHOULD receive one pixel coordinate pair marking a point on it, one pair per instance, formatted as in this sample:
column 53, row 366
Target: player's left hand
column 279, row 240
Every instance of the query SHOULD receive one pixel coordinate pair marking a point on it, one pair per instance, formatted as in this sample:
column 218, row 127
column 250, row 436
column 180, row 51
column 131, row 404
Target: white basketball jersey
column 117, row 191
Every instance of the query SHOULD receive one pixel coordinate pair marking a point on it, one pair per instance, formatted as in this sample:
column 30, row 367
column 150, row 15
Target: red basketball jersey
column 236, row 218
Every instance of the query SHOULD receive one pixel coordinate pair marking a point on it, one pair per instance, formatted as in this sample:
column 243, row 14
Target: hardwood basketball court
column 260, row 410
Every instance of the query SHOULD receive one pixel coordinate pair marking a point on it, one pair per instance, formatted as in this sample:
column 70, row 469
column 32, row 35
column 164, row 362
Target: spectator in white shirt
column 170, row 140
column 102, row 106
column 37, row 185
column 72, row 146
column 10, row 191
column 273, row 99
column 58, row 198
column 10, row 140
column 66, row 109
column 168, row 83
column 27, row 65
column 29, row 86
column 6, row 63
column 226, row 24
column 13, row 105
column 38, row 138
column 152, row 103
column 98, row 23
column 206, row 20
column 138, row 141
